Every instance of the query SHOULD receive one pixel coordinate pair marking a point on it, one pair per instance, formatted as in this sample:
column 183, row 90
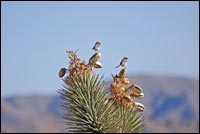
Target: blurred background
column 160, row 39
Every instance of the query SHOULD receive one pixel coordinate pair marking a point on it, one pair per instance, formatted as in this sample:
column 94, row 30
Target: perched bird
column 62, row 72
column 96, row 46
column 123, row 62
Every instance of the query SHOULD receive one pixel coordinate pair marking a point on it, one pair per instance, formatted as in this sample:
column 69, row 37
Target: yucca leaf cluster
column 88, row 105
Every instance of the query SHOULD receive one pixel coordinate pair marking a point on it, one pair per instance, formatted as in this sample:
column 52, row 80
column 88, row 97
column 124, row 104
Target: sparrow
column 123, row 62
column 96, row 46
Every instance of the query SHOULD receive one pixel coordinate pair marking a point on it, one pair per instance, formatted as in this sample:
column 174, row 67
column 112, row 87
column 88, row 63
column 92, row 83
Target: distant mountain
column 31, row 114
column 171, row 105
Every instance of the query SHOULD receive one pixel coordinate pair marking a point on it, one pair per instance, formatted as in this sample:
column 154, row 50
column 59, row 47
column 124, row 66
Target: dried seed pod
column 140, row 107
column 62, row 72
column 135, row 89
column 94, row 58
column 127, row 98
column 135, row 95
column 97, row 65
column 122, row 73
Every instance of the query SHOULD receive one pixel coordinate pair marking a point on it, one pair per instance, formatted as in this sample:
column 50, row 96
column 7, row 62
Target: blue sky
column 157, row 37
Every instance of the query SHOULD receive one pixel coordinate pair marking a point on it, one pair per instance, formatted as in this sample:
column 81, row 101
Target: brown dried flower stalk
column 89, row 109
column 78, row 67
column 124, row 95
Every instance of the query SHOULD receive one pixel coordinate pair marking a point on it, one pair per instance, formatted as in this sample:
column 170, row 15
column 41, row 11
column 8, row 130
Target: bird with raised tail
column 96, row 46
column 123, row 62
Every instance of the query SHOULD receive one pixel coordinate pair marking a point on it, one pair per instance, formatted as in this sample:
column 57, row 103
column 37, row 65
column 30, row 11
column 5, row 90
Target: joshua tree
column 88, row 105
